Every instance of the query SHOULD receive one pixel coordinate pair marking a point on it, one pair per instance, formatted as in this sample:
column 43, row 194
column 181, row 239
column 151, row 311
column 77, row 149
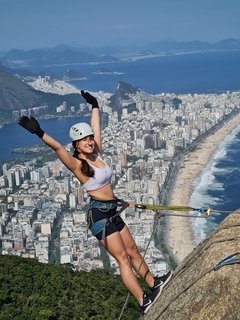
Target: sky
column 30, row 24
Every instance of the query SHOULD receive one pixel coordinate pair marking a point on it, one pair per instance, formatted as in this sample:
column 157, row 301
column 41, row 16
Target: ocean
column 218, row 185
column 189, row 73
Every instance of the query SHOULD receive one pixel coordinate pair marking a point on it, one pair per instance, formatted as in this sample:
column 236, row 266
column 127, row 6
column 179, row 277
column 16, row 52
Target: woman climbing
column 104, row 219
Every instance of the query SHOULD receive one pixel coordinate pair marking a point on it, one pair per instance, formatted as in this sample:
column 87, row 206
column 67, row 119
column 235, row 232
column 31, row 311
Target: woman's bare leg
column 115, row 246
column 137, row 261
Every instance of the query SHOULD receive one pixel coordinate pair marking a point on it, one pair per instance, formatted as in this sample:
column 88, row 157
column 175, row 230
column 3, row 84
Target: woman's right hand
column 31, row 124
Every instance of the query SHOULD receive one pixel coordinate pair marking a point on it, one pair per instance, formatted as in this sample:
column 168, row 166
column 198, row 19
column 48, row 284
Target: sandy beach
column 179, row 233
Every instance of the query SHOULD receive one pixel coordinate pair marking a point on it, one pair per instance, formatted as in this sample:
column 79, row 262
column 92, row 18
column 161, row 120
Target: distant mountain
column 173, row 47
column 119, row 99
column 63, row 54
column 228, row 44
column 16, row 94
column 21, row 73
column 51, row 56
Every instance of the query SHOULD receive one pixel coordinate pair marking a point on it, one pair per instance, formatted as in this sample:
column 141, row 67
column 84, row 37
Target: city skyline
column 27, row 25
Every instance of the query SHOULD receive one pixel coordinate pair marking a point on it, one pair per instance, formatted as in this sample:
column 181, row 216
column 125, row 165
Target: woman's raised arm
column 32, row 125
column 95, row 119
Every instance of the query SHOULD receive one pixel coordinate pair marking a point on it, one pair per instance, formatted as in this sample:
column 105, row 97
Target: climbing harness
column 104, row 206
column 232, row 259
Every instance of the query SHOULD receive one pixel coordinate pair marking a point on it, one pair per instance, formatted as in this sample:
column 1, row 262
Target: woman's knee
column 122, row 258
column 133, row 251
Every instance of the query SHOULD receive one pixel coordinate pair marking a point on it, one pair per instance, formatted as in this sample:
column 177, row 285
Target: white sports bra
column 101, row 178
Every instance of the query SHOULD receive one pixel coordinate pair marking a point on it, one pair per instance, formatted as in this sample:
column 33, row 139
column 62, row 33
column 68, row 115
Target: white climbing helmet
column 80, row 130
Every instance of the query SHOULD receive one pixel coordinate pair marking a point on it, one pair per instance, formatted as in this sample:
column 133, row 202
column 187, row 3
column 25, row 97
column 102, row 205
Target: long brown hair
column 86, row 169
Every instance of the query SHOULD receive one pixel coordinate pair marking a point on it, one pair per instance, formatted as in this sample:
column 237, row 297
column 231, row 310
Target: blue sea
column 218, row 186
column 189, row 73
column 219, row 183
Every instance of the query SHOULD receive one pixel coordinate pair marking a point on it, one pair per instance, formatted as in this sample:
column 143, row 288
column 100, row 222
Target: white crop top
column 101, row 178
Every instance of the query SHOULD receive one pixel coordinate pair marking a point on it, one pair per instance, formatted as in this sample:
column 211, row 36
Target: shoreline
column 180, row 236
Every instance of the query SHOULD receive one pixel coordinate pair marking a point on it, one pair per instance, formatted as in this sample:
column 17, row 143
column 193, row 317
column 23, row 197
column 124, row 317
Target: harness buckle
column 105, row 206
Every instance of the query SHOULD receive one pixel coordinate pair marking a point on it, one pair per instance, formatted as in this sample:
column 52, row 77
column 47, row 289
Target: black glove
column 90, row 99
column 31, row 124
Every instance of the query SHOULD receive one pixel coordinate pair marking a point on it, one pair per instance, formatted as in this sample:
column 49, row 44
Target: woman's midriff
column 105, row 193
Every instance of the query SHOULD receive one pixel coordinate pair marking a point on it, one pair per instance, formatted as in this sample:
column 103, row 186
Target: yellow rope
column 155, row 207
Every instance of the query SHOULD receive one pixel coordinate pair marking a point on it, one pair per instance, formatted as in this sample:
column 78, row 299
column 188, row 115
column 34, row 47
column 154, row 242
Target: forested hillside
column 34, row 291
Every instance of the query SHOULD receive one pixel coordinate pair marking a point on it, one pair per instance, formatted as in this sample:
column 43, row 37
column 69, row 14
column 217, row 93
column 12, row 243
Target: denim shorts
column 116, row 224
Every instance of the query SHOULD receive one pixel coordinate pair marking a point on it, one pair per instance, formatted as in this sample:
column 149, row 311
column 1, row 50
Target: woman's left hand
column 90, row 99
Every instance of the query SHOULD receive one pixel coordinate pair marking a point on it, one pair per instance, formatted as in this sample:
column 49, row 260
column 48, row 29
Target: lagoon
column 14, row 136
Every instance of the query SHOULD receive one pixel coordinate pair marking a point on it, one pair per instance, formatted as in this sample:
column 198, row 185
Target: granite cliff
column 200, row 288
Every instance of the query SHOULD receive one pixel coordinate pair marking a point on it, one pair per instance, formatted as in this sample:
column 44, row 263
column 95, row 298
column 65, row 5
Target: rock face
column 199, row 292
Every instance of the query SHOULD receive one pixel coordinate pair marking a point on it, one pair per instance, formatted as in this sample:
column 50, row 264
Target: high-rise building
column 5, row 168
column 67, row 187
column 11, row 179
column 46, row 171
column 17, row 178
column 122, row 159
column 72, row 201
column 3, row 208
column 36, row 175
column 46, row 227
column 79, row 193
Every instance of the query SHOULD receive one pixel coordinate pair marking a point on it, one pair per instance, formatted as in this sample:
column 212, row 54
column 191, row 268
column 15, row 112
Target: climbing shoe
column 149, row 299
column 160, row 282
